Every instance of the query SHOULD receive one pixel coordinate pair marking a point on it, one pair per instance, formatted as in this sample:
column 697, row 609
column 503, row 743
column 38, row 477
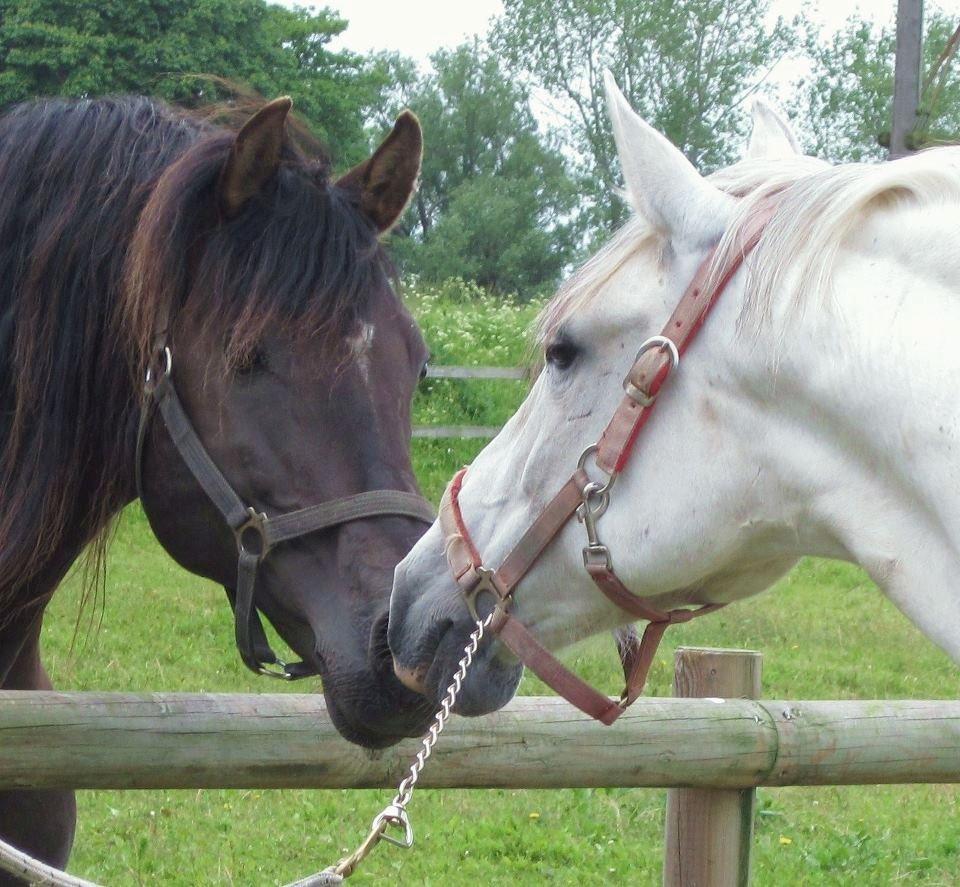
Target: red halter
column 588, row 499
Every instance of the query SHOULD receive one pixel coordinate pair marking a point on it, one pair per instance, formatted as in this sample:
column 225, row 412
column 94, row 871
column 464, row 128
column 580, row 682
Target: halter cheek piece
column 256, row 534
column 588, row 499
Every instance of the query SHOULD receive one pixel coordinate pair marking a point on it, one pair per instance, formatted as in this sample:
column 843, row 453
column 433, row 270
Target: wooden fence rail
column 459, row 372
column 711, row 752
column 464, row 432
column 181, row 740
column 453, row 372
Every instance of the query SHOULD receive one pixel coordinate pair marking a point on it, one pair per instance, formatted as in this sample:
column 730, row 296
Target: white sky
column 419, row 27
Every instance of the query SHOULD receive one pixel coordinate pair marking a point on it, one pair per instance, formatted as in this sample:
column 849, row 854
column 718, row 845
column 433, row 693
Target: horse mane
column 302, row 258
column 105, row 229
column 581, row 289
column 820, row 207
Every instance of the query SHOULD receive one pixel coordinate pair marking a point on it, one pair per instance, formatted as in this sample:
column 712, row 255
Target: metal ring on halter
column 661, row 342
column 601, row 489
column 485, row 582
column 279, row 671
column 165, row 353
column 251, row 535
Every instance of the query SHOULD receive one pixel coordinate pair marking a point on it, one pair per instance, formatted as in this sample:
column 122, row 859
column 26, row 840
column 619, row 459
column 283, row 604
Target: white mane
column 580, row 289
column 819, row 211
column 820, row 207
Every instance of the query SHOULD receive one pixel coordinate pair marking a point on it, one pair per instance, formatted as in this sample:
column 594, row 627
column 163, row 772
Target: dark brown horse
column 122, row 221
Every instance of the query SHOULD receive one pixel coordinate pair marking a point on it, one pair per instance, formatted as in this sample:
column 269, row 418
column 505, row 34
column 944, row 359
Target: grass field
column 825, row 632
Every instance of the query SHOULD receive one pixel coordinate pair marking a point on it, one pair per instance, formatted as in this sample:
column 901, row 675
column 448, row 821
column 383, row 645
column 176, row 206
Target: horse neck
column 867, row 432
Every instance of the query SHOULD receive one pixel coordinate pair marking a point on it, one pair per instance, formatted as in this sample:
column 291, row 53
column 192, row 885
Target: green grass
column 825, row 632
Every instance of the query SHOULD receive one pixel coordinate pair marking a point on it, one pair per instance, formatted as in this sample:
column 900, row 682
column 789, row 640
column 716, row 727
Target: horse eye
column 254, row 361
column 561, row 354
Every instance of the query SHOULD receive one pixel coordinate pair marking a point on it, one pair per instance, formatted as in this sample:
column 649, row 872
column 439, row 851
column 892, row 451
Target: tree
column 844, row 104
column 495, row 203
column 98, row 47
column 492, row 234
column 685, row 65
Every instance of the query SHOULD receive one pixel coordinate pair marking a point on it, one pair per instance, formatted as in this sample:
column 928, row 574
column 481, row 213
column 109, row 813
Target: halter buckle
column 160, row 367
column 251, row 535
column 485, row 581
column 279, row 670
column 643, row 398
column 597, row 556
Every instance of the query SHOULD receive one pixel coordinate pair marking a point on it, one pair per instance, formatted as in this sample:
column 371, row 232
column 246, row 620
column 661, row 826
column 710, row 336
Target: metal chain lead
column 406, row 787
column 394, row 815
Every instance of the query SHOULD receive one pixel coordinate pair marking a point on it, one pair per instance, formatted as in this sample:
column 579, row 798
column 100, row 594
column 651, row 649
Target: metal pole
column 906, row 79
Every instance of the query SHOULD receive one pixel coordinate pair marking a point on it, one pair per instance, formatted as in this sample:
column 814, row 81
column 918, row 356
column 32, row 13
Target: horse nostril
column 413, row 679
column 379, row 649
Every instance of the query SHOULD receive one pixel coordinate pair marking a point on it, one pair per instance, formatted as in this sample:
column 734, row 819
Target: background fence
column 461, row 372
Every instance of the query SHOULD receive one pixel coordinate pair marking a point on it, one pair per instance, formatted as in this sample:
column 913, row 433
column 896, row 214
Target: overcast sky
column 419, row 27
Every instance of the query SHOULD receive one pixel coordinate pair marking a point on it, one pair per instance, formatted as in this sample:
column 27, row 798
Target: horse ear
column 254, row 158
column 386, row 181
column 662, row 184
column 772, row 136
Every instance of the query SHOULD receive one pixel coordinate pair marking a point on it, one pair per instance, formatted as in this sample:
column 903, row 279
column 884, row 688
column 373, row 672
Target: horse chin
column 366, row 702
column 374, row 714
column 491, row 680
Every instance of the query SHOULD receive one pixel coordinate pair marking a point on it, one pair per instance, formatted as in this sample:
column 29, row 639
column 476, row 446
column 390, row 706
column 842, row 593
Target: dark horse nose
column 380, row 709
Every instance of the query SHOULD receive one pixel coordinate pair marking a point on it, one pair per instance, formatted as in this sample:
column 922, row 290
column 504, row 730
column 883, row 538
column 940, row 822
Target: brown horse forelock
column 105, row 230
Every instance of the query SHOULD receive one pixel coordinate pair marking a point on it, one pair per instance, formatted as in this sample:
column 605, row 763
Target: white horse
column 817, row 412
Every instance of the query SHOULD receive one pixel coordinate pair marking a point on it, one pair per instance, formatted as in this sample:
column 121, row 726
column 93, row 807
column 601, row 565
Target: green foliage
column 466, row 326
column 685, row 66
column 845, row 102
column 495, row 202
column 98, row 47
column 491, row 233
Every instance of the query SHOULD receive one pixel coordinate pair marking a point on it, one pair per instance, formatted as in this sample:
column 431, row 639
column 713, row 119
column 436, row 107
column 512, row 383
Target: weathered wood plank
column 174, row 740
column 453, row 372
column 709, row 831
column 461, row 431
column 466, row 432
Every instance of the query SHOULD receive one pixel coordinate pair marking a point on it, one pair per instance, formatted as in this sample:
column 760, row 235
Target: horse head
column 699, row 516
column 258, row 292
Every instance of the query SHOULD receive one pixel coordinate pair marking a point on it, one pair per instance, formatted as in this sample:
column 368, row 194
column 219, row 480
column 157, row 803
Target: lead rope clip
column 394, row 815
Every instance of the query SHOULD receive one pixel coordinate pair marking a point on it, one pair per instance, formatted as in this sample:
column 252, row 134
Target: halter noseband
column 588, row 499
column 256, row 534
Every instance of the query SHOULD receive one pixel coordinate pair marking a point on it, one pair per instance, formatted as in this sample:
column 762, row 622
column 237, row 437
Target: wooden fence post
column 709, row 832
